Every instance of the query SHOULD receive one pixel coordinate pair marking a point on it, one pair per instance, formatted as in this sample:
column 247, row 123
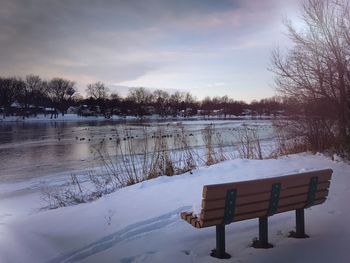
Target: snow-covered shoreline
column 141, row 223
column 78, row 118
column 60, row 118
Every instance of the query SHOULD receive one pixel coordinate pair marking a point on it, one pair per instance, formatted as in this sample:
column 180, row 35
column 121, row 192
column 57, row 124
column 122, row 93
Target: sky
column 206, row 47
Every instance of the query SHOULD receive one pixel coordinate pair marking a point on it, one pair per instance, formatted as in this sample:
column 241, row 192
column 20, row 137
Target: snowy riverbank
column 62, row 118
column 141, row 223
column 78, row 118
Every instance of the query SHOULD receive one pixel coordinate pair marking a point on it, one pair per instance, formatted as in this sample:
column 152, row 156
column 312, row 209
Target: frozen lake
column 35, row 149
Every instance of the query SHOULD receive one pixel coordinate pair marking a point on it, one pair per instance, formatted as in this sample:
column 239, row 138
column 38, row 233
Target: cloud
column 216, row 84
column 124, row 41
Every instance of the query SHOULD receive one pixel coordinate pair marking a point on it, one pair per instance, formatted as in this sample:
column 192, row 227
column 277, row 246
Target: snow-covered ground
column 66, row 117
column 141, row 223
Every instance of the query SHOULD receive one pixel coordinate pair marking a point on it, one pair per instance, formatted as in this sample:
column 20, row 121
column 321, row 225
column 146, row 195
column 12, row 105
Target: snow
column 60, row 118
column 141, row 223
column 71, row 117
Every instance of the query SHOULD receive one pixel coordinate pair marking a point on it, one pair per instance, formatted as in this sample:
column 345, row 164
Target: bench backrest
column 226, row 203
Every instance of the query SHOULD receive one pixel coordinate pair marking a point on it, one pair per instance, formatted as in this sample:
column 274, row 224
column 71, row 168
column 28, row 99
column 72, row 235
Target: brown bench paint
column 253, row 197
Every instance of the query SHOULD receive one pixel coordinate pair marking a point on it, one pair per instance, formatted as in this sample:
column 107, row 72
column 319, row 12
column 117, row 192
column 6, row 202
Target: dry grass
column 249, row 144
column 165, row 152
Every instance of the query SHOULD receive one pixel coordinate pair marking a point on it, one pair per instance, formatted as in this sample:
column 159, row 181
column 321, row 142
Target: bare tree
column 161, row 99
column 60, row 91
column 190, row 103
column 175, row 101
column 316, row 72
column 33, row 90
column 207, row 106
column 97, row 91
column 10, row 90
column 115, row 96
column 141, row 97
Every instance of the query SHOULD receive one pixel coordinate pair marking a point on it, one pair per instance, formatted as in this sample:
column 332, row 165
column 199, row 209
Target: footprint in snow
column 136, row 258
column 130, row 232
column 187, row 252
column 184, row 256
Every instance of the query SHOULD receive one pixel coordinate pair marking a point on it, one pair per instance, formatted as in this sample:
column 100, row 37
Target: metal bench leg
column 219, row 252
column 263, row 241
column 300, row 225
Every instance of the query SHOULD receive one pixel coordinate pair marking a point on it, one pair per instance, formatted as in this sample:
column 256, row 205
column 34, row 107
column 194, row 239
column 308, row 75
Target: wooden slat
column 240, row 200
column 218, row 191
column 191, row 219
column 260, row 206
column 321, row 186
column 326, row 172
column 253, row 197
column 208, row 223
column 248, row 199
column 185, row 214
column 281, row 209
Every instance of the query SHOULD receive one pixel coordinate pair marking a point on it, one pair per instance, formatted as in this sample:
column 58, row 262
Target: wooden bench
column 223, row 204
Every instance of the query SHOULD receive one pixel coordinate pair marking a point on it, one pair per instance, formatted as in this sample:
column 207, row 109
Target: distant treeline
column 32, row 95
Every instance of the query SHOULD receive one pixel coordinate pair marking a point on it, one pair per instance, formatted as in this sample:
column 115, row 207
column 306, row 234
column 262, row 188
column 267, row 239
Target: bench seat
column 223, row 204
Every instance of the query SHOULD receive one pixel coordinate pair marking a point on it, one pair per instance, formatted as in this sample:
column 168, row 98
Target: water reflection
column 30, row 150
